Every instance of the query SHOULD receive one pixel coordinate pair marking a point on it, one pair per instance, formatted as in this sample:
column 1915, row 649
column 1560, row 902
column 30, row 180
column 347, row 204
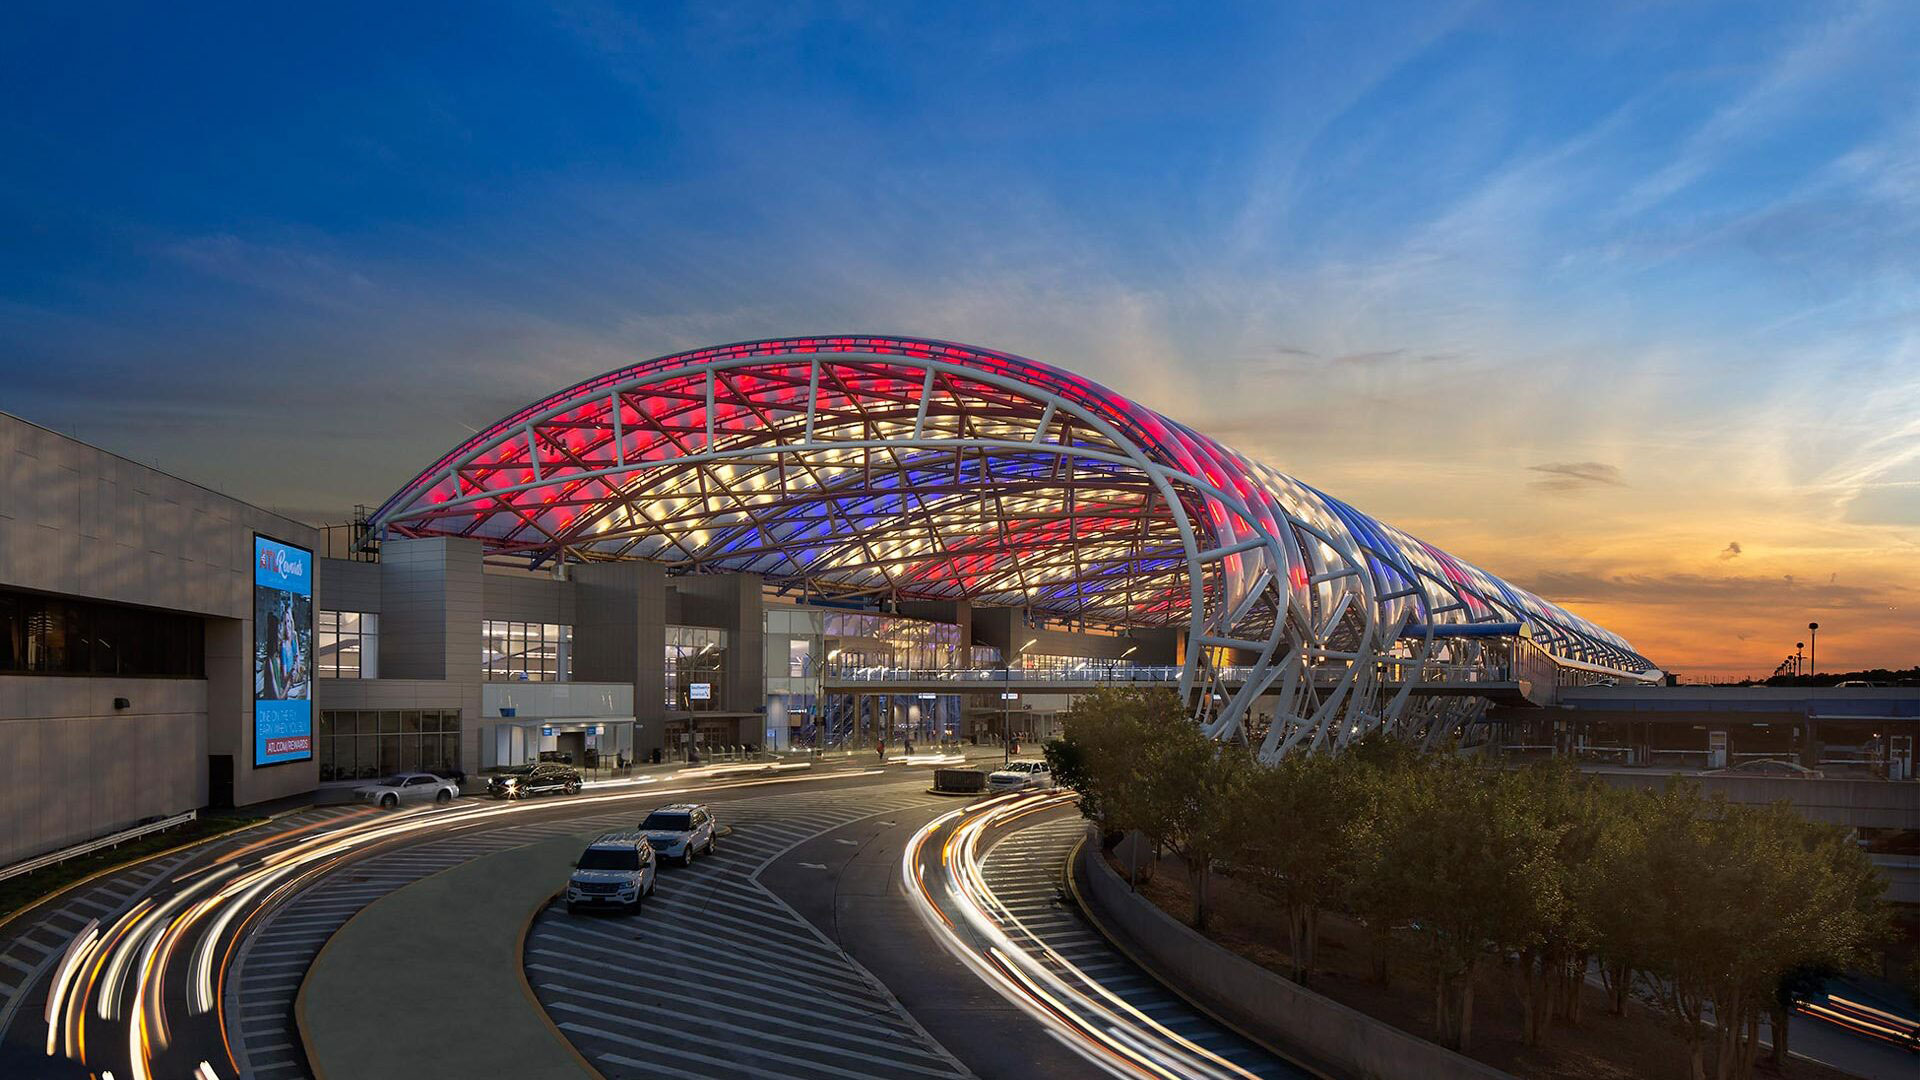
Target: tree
column 1378, row 888
column 1475, row 860
column 1297, row 841
column 1739, row 897
column 1195, row 795
column 1797, row 983
column 1066, row 759
column 1610, row 895
column 1115, row 736
column 1826, row 907
column 1553, row 935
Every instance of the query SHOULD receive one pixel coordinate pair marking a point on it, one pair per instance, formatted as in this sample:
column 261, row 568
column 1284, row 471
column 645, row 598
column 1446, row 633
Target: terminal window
column 365, row 744
column 526, row 651
column 45, row 635
column 348, row 646
column 696, row 658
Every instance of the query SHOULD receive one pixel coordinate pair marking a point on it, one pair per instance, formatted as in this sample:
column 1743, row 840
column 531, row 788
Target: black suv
column 520, row 781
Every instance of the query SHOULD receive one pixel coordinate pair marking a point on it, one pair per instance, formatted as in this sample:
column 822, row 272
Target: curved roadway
column 187, row 965
column 142, row 990
column 988, row 880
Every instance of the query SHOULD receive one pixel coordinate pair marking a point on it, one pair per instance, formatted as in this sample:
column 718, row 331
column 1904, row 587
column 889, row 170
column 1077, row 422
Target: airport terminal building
column 781, row 544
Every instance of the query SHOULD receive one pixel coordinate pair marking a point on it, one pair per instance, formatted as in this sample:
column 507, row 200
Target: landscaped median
column 440, row 961
column 1263, row 1006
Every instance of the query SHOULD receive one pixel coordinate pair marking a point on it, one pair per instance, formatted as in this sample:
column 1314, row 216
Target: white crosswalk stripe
column 717, row 977
column 271, row 965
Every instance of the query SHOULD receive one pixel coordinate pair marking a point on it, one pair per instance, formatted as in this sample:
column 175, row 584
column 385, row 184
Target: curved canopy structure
column 909, row 468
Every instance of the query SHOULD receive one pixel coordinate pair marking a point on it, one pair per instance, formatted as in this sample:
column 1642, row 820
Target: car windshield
column 610, row 859
column 394, row 781
column 667, row 822
column 515, row 770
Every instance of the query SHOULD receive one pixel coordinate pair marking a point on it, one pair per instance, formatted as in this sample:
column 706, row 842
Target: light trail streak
column 213, row 905
column 1863, row 1019
column 997, row 945
column 70, row 963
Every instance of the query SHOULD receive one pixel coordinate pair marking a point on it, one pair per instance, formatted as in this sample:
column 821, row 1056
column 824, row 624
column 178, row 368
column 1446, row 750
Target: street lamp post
column 1813, row 649
column 1799, row 648
column 1006, row 702
column 1113, row 669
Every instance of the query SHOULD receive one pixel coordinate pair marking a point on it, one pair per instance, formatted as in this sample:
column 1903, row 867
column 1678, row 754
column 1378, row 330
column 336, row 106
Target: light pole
column 1813, row 649
column 1113, row 669
column 1799, row 647
column 1006, row 701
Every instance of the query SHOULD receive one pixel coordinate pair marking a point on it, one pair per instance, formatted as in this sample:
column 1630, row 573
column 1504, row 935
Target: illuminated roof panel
column 915, row 468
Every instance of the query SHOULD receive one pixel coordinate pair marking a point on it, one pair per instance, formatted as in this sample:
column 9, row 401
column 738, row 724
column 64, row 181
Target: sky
column 1618, row 301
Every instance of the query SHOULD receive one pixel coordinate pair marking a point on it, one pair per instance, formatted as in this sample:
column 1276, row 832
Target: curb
column 1073, row 888
column 533, row 1000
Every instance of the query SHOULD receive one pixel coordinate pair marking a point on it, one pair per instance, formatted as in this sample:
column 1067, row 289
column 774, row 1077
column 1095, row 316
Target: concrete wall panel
column 83, row 769
column 79, row 521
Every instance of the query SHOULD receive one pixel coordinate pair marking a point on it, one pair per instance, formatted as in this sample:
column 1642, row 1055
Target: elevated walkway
column 1437, row 680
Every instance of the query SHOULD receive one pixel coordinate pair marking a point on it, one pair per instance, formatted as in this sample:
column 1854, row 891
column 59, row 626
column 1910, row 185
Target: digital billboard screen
column 282, row 652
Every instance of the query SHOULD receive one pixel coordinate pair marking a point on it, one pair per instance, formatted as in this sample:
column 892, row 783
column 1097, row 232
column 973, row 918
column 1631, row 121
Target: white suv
column 1020, row 775
column 615, row 870
column 680, row 830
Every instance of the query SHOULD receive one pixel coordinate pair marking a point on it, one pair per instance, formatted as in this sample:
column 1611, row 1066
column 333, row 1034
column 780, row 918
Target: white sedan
column 1020, row 776
column 408, row 787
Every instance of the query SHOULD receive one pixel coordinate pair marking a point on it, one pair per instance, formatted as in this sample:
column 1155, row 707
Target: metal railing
column 92, row 846
column 987, row 678
column 1515, row 661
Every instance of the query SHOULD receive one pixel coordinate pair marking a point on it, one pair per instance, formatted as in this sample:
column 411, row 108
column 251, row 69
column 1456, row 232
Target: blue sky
column 1592, row 295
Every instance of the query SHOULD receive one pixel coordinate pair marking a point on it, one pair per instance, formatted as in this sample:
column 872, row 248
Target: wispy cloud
column 1669, row 590
column 1567, row 476
column 1823, row 50
column 1674, row 246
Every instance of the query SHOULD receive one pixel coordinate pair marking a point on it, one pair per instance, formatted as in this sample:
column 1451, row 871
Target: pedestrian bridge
column 1512, row 672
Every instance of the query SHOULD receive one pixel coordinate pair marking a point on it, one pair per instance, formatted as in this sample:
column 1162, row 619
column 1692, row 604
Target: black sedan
column 520, row 781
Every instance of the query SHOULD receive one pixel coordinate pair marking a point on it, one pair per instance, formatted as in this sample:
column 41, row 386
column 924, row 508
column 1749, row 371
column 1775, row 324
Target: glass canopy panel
column 923, row 468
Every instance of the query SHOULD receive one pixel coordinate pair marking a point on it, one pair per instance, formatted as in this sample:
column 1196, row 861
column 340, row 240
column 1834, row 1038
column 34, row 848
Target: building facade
column 805, row 542
column 127, row 640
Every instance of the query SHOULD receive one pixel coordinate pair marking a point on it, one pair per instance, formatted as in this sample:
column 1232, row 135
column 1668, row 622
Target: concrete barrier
column 1324, row 1034
column 968, row 781
column 1857, row 804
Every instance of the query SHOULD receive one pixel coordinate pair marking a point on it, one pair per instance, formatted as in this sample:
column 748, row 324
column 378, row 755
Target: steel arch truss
column 877, row 466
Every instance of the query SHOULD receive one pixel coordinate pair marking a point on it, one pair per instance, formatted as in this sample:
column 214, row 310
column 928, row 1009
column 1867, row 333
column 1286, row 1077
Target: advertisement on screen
column 282, row 652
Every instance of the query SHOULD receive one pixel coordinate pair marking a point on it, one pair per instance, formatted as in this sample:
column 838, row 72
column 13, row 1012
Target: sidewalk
column 440, row 961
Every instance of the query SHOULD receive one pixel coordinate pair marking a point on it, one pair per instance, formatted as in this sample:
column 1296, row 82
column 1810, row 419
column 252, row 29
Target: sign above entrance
column 546, row 730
